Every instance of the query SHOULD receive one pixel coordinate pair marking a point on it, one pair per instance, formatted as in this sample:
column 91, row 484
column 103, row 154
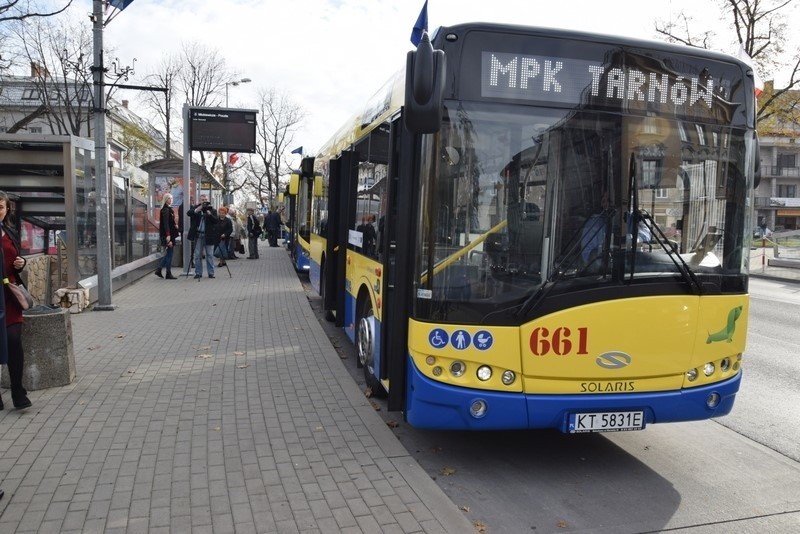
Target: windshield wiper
column 575, row 251
column 655, row 231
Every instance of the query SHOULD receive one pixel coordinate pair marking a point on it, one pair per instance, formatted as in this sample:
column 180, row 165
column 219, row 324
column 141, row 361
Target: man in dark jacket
column 253, row 233
column 204, row 232
column 273, row 224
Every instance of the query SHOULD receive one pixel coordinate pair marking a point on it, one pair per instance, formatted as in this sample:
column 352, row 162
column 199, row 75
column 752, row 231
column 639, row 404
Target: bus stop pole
column 100, row 157
column 188, row 192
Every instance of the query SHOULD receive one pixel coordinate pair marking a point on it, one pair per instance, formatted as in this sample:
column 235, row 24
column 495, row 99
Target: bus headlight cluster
column 458, row 368
column 711, row 368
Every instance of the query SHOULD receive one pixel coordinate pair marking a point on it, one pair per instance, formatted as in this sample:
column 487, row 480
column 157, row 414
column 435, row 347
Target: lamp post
column 227, row 197
column 234, row 83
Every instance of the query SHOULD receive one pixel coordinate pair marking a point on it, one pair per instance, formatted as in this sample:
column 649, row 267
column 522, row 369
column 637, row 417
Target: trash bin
column 47, row 343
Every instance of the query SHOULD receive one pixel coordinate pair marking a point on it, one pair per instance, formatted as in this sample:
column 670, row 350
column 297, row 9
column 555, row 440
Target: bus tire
column 323, row 289
column 365, row 345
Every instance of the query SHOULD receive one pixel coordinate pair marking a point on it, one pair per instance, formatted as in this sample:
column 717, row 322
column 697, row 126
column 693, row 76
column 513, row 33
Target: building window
column 30, row 94
column 701, row 135
column 787, row 191
column 649, row 173
column 35, row 129
column 662, row 193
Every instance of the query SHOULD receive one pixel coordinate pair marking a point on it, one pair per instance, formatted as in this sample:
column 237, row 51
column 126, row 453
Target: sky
column 330, row 56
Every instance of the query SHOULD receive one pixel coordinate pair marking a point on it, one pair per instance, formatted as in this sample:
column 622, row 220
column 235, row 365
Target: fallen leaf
column 368, row 393
column 120, row 336
column 480, row 526
column 204, row 356
column 447, row 471
column 215, row 339
column 375, row 406
column 436, row 449
column 216, row 428
column 392, row 424
column 465, row 508
column 93, row 347
column 243, row 366
column 561, row 524
column 238, row 353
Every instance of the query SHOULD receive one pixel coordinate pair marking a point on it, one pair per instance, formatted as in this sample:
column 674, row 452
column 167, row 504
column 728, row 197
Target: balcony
column 779, row 171
column 777, row 202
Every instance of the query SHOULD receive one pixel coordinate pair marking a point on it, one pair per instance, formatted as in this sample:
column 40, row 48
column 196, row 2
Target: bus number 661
column 560, row 341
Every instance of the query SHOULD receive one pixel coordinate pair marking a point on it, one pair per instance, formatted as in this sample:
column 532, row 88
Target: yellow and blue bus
column 538, row 228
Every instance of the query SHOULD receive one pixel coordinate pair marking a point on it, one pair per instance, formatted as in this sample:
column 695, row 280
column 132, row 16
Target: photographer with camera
column 204, row 233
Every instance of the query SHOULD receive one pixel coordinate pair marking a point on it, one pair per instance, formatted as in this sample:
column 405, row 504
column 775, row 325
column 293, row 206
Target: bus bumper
column 433, row 405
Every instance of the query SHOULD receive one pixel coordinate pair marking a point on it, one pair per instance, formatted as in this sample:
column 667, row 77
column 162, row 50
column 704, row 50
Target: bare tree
column 760, row 28
column 21, row 10
column 201, row 82
column 12, row 11
column 162, row 103
column 279, row 117
column 60, row 53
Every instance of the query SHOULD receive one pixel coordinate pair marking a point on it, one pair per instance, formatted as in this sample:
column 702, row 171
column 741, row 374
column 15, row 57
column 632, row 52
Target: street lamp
column 234, row 83
column 227, row 196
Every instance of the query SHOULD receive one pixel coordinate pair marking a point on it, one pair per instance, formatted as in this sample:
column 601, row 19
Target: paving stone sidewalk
column 211, row 405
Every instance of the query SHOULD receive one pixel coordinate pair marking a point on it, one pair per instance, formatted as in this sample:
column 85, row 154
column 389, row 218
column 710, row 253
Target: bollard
column 47, row 344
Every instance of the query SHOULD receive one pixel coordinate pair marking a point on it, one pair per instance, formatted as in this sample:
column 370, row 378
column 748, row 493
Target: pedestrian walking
column 168, row 232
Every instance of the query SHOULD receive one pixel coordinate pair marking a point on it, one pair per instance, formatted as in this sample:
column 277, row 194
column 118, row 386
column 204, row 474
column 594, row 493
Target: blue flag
column 120, row 4
column 421, row 25
column 298, row 150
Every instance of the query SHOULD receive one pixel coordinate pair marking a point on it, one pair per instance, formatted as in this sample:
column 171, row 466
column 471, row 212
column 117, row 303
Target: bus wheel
column 323, row 289
column 365, row 344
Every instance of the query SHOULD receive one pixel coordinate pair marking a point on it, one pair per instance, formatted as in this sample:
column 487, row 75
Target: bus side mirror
column 425, row 75
column 307, row 167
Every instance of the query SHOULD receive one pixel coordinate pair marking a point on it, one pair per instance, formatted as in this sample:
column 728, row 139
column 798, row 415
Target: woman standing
column 168, row 231
column 13, row 264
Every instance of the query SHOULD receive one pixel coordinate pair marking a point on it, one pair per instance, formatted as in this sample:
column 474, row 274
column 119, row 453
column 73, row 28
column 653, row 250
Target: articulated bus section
column 648, row 360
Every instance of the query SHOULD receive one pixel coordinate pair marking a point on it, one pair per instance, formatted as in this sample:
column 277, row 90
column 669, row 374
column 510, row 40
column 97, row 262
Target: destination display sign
column 223, row 130
column 623, row 82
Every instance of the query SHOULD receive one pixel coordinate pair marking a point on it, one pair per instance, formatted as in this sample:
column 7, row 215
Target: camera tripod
column 191, row 260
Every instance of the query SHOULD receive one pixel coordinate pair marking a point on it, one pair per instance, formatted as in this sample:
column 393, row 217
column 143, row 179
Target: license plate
column 605, row 422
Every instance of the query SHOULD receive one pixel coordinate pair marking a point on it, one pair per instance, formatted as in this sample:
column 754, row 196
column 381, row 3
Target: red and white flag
column 757, row 81
column 233, row 158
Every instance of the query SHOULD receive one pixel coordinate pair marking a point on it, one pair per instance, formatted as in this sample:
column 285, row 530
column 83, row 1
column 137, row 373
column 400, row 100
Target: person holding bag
column 12, row 264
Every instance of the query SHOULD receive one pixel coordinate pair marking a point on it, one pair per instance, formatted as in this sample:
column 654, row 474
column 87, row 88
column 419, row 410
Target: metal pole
column 101, row 177
column 188, row 191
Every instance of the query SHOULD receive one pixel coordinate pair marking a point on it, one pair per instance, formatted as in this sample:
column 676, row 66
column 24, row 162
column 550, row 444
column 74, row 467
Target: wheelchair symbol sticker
column 460, row 339
column 483, row 340
column 438, row 338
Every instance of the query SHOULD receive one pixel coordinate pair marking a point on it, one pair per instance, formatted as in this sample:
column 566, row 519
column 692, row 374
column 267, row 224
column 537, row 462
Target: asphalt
column 212, row 405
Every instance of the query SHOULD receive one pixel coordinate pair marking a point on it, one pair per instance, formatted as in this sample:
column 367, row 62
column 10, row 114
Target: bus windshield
column 515, row 196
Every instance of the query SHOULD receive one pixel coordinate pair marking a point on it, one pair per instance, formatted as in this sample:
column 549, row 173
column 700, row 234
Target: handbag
column 20, row 293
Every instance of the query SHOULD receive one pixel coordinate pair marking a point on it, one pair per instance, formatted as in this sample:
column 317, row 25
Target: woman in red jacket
column 13, row 264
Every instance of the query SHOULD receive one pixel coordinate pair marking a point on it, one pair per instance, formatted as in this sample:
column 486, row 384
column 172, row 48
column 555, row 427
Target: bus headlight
column 437, row 371
column 430, row 360
column 484, row 373
column 712, row 400
column 457, row 368
column 691, row 375
column 709, row 368
column 508, row 377
column 725, row 364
